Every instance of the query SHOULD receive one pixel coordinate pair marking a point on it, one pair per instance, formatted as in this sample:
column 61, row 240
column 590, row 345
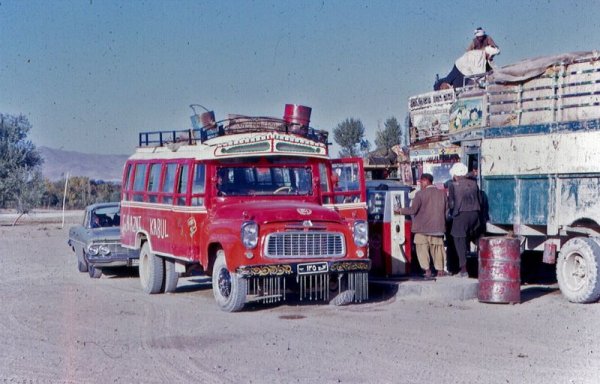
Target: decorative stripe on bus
column 164, row 207
column 537, row 129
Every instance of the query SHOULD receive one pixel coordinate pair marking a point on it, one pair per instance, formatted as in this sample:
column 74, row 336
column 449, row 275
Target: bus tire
column 151, row 270
column 578, row 270
column 228, row 288
column 171, row 276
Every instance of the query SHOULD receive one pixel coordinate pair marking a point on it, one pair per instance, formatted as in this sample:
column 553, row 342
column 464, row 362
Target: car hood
column 277, row 211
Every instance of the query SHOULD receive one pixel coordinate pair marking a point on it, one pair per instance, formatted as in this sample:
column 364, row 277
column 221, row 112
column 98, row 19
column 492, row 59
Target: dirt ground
column 59, row 326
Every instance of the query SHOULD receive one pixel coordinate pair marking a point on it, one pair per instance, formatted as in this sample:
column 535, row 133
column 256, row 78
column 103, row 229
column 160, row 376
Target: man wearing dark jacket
column 464, row 204
column 428, row 209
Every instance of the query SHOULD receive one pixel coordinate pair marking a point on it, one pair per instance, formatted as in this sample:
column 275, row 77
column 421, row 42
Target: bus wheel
column 578, row 270
column 171, row 276
column 229, row 289
column 151, row 270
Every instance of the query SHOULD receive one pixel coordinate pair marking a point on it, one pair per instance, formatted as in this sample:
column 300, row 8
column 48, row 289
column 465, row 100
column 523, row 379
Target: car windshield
column 107, row 216
column 268, row 180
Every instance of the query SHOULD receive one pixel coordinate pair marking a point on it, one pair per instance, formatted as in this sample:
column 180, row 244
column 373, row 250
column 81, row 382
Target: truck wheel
column 171, row 276
column 151, row 270
column 95, row 273
column 578, row 270
column 228, row 288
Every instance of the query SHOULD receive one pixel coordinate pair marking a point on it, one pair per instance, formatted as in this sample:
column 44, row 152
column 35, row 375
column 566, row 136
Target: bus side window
column 169, row 183
column 139, row 182
column 126, row 185
column 182, row 184
column 198, row 185
column 153, row 182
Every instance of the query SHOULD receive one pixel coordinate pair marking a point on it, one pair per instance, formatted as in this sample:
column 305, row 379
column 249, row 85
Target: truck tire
column 228, row 288
column 578, row 270
column 151, row 270
column 171, row 276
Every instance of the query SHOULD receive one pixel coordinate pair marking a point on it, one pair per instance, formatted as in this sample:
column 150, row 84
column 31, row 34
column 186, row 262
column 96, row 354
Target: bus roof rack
column 234, row 125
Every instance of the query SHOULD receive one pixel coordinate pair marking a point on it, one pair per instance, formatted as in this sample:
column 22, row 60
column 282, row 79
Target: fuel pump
column 390, row 237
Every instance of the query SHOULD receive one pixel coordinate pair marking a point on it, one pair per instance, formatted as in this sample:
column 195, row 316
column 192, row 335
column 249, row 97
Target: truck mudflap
column 336, row 282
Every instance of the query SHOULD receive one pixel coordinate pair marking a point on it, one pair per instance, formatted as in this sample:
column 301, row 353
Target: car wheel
column 95, row 273
column 171, row 276
column 578, row 270
column 151, row 270
column 228, row 288
column 82, row 265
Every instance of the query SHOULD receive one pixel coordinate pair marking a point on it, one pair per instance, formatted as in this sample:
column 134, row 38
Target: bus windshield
column 267, row 180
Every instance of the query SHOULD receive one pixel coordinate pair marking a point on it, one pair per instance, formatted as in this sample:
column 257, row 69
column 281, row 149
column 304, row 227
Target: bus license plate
column 308, row 268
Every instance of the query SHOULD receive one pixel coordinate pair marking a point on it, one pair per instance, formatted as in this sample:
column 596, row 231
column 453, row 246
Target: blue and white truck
column 530, row 131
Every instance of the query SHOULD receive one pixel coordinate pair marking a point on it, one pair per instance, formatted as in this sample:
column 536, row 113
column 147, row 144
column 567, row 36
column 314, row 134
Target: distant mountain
column 95, row 166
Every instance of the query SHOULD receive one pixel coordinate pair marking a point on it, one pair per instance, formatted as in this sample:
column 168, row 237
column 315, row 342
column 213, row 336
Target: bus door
column 348, row 184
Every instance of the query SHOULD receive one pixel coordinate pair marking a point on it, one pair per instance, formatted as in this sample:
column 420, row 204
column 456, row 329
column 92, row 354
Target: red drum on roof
column 297, row 114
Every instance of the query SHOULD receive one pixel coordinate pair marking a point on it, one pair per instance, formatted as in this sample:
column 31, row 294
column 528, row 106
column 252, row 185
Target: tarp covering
column 530, row 68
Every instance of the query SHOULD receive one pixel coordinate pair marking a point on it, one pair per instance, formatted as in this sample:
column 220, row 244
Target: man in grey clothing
column 428, row 209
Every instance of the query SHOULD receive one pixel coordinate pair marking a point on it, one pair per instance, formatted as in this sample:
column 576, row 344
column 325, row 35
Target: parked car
column 97, row 240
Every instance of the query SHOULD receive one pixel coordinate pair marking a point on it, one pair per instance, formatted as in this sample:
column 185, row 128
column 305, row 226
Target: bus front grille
column 305, row 245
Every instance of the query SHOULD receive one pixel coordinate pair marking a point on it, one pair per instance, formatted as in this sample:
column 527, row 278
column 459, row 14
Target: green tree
column 390, row 136
column 349, row 135
column 21, row 184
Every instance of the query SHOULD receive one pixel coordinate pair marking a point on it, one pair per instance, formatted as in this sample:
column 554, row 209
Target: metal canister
column 499, row 270
column 297, row 115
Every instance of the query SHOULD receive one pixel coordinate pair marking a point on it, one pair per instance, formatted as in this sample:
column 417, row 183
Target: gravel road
column 59, row 326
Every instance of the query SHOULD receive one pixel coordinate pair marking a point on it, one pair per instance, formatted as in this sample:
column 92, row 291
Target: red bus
column 254, row 202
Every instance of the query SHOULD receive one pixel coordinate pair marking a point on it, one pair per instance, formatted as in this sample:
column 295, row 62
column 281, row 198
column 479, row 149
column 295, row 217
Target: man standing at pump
column 464, row 205
column 428, row 209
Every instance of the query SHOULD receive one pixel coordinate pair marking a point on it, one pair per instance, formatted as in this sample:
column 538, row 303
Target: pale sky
column 91, row 74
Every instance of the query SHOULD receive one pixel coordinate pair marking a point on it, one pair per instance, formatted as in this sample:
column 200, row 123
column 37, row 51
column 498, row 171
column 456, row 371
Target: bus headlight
column 249, row 234
column 361, row 233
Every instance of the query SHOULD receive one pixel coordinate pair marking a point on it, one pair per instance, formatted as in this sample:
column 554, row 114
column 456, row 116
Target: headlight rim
column 246, row 231
column 360, row 233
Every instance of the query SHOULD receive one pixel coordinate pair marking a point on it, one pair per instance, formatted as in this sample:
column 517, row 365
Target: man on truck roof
column 482, row 40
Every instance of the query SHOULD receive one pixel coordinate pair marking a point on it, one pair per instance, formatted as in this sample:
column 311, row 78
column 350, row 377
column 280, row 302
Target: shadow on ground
column 529, row 293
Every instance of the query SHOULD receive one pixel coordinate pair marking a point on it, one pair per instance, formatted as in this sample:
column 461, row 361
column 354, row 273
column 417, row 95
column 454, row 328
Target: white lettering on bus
column 158, row 228
column 131, row 223
column 191, row 222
